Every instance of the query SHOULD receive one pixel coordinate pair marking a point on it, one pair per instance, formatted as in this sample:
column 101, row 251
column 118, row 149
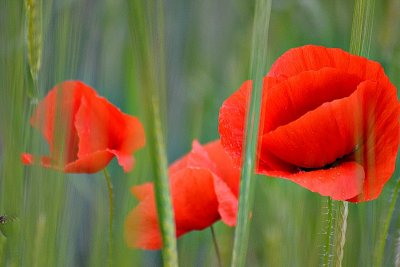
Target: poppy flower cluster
column 84, row 131
column 330, row 123
column 204, row 189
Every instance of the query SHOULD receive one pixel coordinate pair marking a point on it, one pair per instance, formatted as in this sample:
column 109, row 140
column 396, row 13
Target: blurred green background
column 62, row 220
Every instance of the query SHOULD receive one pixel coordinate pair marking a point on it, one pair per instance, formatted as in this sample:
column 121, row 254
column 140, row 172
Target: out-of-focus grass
column 63, row 219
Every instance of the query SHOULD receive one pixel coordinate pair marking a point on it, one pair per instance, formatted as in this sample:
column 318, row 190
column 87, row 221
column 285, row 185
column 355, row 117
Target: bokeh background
column 62, row 220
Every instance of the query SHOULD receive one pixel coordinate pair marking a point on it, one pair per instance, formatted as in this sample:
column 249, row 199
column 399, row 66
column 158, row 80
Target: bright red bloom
column 84, row 131
column 330, row 123
column 204, row 188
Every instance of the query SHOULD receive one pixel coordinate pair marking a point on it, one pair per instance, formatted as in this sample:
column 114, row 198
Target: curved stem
column 111, row 214
column 216, row 246
column 380, row 251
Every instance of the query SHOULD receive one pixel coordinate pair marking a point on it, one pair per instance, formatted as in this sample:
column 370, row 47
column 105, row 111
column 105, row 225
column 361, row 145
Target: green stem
column 147, row 22
column 340, row 234
column 111, row 215
column 329, row 229
column 258, row 69
column 217, row 251
column 380, row 251
column 335, row 233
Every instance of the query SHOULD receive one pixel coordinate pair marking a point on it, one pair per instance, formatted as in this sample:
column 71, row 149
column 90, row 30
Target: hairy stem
column 328, row 241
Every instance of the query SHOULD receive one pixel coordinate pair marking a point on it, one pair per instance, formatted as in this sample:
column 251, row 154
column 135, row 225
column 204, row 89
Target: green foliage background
column 62, row 220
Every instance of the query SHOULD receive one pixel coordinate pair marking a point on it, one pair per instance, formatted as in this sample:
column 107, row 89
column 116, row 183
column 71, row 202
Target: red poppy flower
column 204, row 188
column 84, row 131
column 329, row 122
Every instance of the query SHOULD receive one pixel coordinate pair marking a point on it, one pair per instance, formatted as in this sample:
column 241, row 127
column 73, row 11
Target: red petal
column 232, row 116
column 340, row 183
column 194, row 202
column 126, row 161
column 224, row 166
column 101, row 126
column 227, row 201
column 312, row 57
column 91, row 163
column 58, row 109
column 197, row 158
column 380, row 116
column 133, row 134
column 27, row 159
column 291, row 99
column 141, row 226
column 199, row 195
column 319, row 137
column 92, row 123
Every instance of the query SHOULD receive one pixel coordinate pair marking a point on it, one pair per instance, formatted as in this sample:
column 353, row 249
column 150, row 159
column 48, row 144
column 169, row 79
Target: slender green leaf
column 147, row 27
column 258, row 69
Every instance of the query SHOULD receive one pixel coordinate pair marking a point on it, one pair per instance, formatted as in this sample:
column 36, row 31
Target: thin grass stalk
column 163, row 197
column 257, row 71
column 147, row 25
column 110, row 215
column 380, row 249
column 216, row 247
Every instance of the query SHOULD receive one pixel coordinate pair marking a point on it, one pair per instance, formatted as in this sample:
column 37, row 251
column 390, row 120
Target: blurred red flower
column 84, row 131
column 329, row 122
column 204, row 188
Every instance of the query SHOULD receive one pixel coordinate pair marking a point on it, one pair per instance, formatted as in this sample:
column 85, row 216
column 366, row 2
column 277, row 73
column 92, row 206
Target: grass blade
column 257, row 72
column 110, row 216
column 147, row 25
